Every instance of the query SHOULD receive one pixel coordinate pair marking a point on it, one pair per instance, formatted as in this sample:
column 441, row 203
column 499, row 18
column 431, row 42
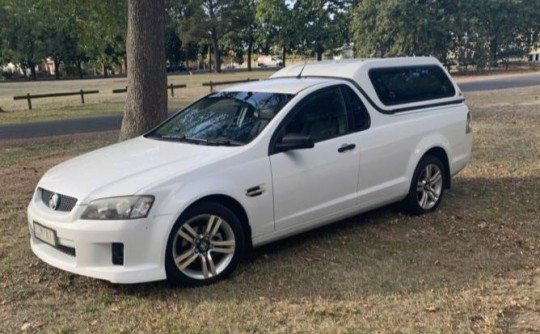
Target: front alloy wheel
column 204, row 246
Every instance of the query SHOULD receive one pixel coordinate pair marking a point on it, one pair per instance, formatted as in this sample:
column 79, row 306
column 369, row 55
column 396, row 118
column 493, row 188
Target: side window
column 359, row 112
column 410, row 84
column 322, row 116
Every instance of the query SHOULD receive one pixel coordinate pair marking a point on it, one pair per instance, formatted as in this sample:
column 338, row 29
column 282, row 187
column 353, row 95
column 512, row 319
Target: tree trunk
column 146, row 102
column 56, row 67
column 79, row 68
column 284, row 54
column 105, row 72
column 319, row 49
column 215, row 47
column 250, row 51
column 33, row 75
column 494, row 47
column 210, row 59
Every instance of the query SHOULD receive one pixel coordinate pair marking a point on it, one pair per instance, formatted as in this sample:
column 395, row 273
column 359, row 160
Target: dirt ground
column 473, row 266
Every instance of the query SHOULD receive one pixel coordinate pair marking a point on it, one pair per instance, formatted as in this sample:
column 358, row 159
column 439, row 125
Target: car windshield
column 223, row 118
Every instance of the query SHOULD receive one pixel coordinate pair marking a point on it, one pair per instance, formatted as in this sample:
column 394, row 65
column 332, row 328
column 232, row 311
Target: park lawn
column 473, row 266
column 102, row 104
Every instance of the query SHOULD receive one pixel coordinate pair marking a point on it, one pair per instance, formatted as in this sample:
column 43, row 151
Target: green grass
column 473, row 266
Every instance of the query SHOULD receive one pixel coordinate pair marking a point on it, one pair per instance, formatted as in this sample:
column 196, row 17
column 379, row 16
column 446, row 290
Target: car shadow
column 477, row 232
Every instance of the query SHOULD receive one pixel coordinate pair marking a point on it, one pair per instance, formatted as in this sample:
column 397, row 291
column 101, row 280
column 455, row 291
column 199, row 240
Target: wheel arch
column 434, row 144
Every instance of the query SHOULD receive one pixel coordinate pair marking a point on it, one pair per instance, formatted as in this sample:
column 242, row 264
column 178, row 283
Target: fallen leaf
column 431, row 309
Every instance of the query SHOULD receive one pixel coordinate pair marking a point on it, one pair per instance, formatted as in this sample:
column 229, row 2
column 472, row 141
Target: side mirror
column 294, row 141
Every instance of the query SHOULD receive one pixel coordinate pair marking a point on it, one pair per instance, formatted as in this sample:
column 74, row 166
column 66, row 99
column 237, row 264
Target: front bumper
column 85, row 247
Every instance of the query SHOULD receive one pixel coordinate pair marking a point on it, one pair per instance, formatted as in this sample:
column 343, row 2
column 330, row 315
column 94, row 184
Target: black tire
column 217, row 244
column 427, row 186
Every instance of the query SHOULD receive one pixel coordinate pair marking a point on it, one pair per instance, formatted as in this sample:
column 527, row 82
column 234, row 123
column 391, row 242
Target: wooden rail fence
column 171, row 87
column 29, row 96
column 212, row 84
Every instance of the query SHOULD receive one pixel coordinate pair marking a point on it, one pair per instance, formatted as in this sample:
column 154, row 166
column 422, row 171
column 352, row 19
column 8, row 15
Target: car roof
column 282, row 85
column 350, row 68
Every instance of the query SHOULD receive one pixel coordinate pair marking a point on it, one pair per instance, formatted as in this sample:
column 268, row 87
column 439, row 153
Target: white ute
column 251, row 164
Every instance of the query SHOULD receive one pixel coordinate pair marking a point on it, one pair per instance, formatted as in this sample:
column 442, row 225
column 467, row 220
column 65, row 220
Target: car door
column 312, row 185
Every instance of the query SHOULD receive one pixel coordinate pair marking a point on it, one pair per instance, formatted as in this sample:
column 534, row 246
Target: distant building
column 47, row 66
column 534, row 56
column 344, row 52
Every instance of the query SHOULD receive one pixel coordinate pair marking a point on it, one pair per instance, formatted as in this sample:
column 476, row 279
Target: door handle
column 346, row 147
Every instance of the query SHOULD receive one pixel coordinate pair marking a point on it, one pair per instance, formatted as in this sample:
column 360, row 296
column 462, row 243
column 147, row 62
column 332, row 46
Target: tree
column 320, row 24
column 494, row 25
column 66, row 31
column 402, row 27
column 248, row 33
column 58, row 22
column 22, row 34
column 173, row 47
column 146, row 102
column 530, row 23
column 3, row 18
column 191, row 50
column 486, row 31
column 208, row 19
column 100, row 32
column 277, row 25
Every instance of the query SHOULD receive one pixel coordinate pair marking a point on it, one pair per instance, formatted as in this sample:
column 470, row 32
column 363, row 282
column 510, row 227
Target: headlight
column 119, row 208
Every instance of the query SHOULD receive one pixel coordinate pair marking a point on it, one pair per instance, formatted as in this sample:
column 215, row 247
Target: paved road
column 94, row 124
column 501, row 83
column 63, row 127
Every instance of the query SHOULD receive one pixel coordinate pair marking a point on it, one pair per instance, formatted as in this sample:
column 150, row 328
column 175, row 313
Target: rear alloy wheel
column 427, row 186
column 204, row 246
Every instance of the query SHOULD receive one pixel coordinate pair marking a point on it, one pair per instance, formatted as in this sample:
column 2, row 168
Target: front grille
column 65, row 203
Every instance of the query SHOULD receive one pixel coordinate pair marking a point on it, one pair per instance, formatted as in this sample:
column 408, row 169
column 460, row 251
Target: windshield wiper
column 203, row 141
column 169, row 137
column 216, row 141
column 181, row 138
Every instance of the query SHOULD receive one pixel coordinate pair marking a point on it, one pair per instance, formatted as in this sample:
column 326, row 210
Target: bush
column 71, row 70
column 7, row 75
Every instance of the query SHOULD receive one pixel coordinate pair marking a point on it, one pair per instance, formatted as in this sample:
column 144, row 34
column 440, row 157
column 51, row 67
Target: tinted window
column 411, row 84
column 322, row 116
column 360, row 114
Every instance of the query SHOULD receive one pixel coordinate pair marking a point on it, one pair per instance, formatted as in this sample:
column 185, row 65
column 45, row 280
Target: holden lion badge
column 53, row 201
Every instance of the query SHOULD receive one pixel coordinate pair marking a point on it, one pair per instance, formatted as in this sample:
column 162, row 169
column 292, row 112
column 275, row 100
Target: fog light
column 118, row 254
